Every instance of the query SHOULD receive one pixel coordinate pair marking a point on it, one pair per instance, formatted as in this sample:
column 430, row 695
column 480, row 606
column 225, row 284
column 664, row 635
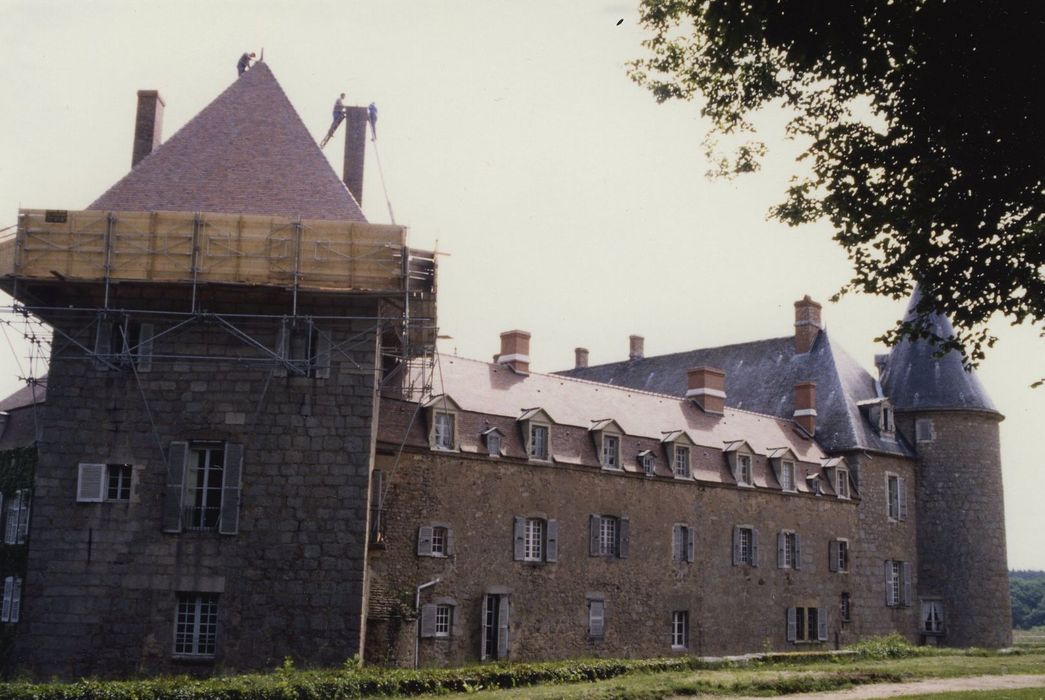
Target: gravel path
column 932, row 685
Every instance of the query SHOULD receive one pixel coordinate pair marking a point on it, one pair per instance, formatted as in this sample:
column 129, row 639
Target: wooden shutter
column 231, row 488
column 23, row 517
column 144, row 352
column 821, row 624
column 832, row 555
column 754, row 547
column 689, row 543
column 623, row 538
column 282, row 349
column 792, row 624
column 502, row 628
column 482, row 627
column 781, row 550
column 428, row 620
column 90, row 483
column 424, row 541
column 888, row 582
column 103, row 344
column 322, row 355
column 551, row 550
column 520, row 538
column 596, row 618
column 798, row 552
column 16, row 600
column 905, row 568
column 677, row 545
column 902, row 490
column 177, row 461
column 450, row 549
column 736, row 546
column 593, row 535
column 11, row 533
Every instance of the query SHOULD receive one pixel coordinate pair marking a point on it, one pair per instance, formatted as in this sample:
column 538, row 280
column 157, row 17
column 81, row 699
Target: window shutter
column 821, row 624
column 16, row 600
column 902, row 488
column 798, row 552
column 428, row 620
column 906, row 570
column 888, row 582
column 450, row 541
column 520, row 538
column 596, row 618
column 792, row 625
column 322, row 355
column 734, row 466
column 11, row 533
column 103, row 344
column 177, row 460
column 282, row 349
column 624, row 535
column 551, row 550
column 677, row 545
column 593, row 535
column 736, row 546
column 231, row 488
column 754, row 547
column 144, row 352
column 482, row 627
column 502, row 628
column 424, row 541
column 689, row 543
column 23, row 517
column 781, row 554
column 90, row 483
column 832, row 555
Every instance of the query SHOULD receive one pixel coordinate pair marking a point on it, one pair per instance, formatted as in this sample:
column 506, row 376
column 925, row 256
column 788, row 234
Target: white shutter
column 424, row 541
column 16, row 600
column 482, row 627
column 231, row 486
column 428, row 620
column 5, row 615
column 792, row 624
column 832, row 555
column 624, row 538
column 593, row 535
column 551, row 552
column 450, row 550
column 889, row 583
column 677, row 545
column 90, row 483
column 736, row 546
column 781, row 553
column 798, row 552
column 502, row 628
column 689, row 543
column 821, row 624
column 902, row 488
column 520, row 538
column 11, row 533
column 906, row 571
column 596, row 618
column 754, row 547
column 177, row 462
column 23, row 517
column 103, row 344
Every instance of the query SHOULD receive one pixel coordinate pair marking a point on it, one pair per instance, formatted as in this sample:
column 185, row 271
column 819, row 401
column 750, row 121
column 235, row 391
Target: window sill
column 194, row 659
column 745, row 486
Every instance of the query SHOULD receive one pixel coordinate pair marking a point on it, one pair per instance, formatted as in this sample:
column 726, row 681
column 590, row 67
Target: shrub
column 890, row 646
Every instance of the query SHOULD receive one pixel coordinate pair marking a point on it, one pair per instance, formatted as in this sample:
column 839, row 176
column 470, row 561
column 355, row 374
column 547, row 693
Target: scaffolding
column 58, row 256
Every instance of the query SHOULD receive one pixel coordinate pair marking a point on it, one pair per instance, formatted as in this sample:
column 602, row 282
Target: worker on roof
column 244, row 62
column 371, row 113
column 339, row 115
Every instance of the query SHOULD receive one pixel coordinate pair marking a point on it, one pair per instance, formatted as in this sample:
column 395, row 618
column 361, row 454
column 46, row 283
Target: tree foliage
column 1027, row 591
column 923, row 120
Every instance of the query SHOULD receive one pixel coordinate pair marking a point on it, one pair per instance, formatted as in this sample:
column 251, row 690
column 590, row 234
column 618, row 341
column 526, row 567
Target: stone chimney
column 807, row 324
column 636, row 347
column 515, row 351
column 355, row 151
column 148, row 124
column 707, row 387
column 580, row 356
column 805, row 406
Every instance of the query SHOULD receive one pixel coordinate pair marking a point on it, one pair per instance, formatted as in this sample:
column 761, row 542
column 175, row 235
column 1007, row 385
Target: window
column 681, row 543
column 443, row 616
column 681, row 462
column 744, row 470
column 886, row 424
column 494, row 642
column 787, row 476
column 897, row 584
column 124, row 343
column 923, row 430
column 377, row 511
column 680, row 629
column 538, row 441
column 196, row 624
column 12, row 607
column 932, row 616
column 842, row 483
column 437, row 619
column 789, row 555
column 596, row 618
column 536, row 539
column 493, row 443
column 435, row 541
column 609, row 536
column 648, row 462
column 846, row 607
column 304, row 350
column 838, row 556
column 611, row 451
column 745, row 546
column 444, row 431
column 204, row 486
column 806, row 624
column 119, row 482
column 18, row 518
column 896, row 494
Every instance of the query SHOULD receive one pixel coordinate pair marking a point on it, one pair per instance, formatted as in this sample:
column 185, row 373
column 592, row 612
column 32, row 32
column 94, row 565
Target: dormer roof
column 606, row 424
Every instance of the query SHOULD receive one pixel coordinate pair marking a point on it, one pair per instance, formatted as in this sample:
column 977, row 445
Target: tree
column 924, row 123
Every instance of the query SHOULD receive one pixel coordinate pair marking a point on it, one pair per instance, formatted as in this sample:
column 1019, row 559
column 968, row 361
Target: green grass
column 1018, row 694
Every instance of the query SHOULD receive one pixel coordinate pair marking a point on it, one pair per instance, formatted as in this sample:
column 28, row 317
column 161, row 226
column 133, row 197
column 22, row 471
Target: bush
column 890, row 646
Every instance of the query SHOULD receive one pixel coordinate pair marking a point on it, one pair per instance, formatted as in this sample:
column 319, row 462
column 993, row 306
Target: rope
column 381, row 171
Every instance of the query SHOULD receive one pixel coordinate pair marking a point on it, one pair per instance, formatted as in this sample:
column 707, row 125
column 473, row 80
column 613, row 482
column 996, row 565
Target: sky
column 562, row 198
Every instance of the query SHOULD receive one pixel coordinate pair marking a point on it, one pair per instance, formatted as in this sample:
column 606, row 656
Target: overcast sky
column 567, row 202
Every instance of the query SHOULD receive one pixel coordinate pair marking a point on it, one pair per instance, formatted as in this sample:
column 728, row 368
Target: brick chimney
column 805, row 406
column 580, row 358
column 807, row 324
column 148, row 124
column 355, row 151
column 707, row 387
column 515, row 351
column 636, row 347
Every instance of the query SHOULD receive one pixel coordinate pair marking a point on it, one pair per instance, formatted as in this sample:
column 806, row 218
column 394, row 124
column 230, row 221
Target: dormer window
column 535, row 424
column 680, row 464
column 648, row 462
column 442, row 412
column 886, row 424
column 678, row 447
column 538, row 441
column 493, row 442
column 741, row 462
column 444, row 431
column 813, row 480
column 787, row 475
column 744, row 477
column 607, row 434
column 611, row 451
column 842, row 483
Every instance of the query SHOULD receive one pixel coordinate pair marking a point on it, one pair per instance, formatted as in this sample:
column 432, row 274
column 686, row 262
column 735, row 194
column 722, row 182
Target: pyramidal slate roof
column 761, row 376
column 916, row 380
column 247, row 152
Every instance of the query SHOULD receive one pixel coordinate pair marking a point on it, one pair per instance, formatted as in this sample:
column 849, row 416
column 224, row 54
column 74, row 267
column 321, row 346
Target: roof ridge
column 681, row 352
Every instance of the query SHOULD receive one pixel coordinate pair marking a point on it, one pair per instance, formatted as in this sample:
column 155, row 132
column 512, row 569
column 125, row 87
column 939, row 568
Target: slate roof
column 915, row 380
column 25, row 396
column 247, row 152
column 22, row 423
column 760, row 377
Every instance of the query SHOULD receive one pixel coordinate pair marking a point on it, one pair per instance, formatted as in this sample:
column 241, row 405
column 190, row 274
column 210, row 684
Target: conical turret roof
column 247, row 152
column 914, row 379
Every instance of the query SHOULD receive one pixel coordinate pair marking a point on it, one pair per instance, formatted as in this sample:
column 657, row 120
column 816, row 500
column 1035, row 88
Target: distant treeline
column 1027, row 589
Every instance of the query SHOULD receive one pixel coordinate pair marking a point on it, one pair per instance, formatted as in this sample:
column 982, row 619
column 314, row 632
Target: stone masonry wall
column 103, row 578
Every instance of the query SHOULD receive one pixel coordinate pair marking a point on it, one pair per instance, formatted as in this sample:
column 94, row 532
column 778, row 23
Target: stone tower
column 946, row 414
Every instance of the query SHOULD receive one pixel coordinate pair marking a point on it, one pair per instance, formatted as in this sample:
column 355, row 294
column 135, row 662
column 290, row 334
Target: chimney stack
column 807, row 324
column 148, row 124
column 355, row 151
column 515, row 351
column 805, row 406
column 580, row 358
column 707, row 387
column 636, row 347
